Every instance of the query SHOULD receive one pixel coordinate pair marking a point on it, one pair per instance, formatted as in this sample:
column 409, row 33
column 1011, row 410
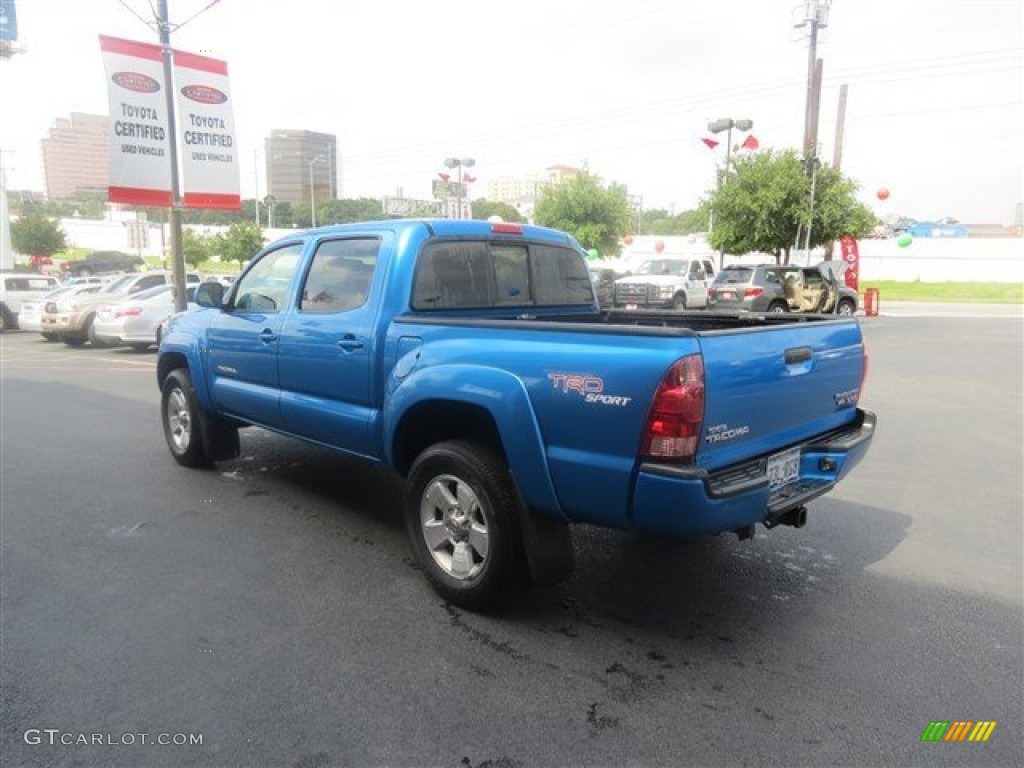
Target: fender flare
column 501, row 394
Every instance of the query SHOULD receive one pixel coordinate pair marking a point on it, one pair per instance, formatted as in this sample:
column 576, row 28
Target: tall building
column 522, row 192
column 75, row 155
column 299, row 162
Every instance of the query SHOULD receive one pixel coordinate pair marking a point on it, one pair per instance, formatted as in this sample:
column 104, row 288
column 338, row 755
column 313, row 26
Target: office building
column 75, row 155
column 300, row 163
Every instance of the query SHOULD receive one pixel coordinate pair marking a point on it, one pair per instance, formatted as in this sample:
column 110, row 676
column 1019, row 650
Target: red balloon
column 659, row 246
column 628, row 239
column 883, row 194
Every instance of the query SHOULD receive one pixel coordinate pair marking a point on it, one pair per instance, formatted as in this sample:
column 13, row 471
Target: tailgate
column 772, row 387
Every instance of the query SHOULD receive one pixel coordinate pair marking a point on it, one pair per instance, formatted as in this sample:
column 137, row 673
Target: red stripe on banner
column 203, row 63
column 139, row 196
column 131, row 48
column 212, row 200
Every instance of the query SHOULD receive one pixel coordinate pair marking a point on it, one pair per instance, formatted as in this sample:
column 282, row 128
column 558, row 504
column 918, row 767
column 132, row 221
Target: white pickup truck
column 676, row 282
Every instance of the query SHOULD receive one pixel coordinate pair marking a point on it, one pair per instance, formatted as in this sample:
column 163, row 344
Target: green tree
column 597, row 216
column 765, row 206
column 484, row 209
column 196, row 248
column 659, row 222
column 36, row 236
column 240, row 243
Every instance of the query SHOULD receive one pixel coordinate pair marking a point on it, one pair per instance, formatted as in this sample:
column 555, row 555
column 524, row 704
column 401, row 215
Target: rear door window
column 340, row 276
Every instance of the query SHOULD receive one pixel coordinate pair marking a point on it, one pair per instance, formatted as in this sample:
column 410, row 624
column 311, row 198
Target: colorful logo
column 204, row 94
column 136, row 81
column 959, row 730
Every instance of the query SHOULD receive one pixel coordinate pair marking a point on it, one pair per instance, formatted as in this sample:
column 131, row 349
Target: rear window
column 734, row 275
column 476, row 274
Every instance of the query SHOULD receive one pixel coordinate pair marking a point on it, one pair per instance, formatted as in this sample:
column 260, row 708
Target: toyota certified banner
column 140, row 162
column 206, row 130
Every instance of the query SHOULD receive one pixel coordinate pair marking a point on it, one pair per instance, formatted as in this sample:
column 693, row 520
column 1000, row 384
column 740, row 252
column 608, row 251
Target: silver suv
column 70, row 318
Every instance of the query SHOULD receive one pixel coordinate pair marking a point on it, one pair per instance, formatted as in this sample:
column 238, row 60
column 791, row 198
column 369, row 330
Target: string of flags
column 750, row 143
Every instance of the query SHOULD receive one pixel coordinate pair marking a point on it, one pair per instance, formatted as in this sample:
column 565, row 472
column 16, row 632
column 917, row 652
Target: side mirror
column 210, row 295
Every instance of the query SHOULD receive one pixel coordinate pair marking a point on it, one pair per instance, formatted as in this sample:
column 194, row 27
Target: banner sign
column 851, row 255
column 140, row 162
column 8, row 21
column 209, row 156
column 140, row 165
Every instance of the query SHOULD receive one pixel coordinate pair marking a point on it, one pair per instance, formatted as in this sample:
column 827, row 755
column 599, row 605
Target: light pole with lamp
column 312, row 191
column 460, row 163
column 717, row 126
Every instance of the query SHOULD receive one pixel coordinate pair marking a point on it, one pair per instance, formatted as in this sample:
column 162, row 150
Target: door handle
column 798, row 355
column 349, row 343
column 268, row 336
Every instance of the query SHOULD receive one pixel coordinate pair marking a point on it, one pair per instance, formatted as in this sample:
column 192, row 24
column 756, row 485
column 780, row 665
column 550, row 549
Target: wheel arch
column 476, row 403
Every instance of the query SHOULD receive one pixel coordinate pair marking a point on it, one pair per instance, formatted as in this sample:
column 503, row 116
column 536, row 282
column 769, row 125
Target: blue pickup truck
column 472, row 359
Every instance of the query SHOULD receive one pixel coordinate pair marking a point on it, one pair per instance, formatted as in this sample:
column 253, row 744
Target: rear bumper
column 688, row 501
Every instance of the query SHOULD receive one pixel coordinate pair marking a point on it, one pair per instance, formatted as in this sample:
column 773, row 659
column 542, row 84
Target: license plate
column 631, row 306
column 783, row 468
column 727, row 295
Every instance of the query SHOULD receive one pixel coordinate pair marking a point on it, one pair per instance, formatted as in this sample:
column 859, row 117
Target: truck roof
column 447, row 228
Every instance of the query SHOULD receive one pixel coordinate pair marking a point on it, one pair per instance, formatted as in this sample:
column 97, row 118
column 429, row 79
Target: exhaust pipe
column 796, row 518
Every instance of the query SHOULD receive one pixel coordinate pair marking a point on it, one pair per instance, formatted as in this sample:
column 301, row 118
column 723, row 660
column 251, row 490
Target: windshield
column 120, row 285
column 733, row 275
column 661, row 267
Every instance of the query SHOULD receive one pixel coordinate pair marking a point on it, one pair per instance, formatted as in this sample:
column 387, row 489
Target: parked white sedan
column 135, row 320
column 30, row 318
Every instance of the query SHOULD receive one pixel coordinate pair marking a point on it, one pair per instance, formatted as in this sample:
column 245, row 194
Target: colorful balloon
column 593, row 253
column 904, row 240
column 659, row 246
column 628, row 239
column 883, row 194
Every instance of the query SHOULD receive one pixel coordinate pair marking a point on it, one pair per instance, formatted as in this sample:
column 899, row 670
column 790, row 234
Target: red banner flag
column 750, row 143
column 468, row 179
column 711, row 143
column 444, row 177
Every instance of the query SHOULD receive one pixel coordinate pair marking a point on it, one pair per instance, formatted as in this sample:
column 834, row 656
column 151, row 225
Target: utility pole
column 177, row 252
column 815, row 18
column 837, row 151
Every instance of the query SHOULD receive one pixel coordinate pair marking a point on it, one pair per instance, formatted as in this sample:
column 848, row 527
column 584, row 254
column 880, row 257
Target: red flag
column 750, row 143
column 711, row 143
column 444, row 177
column 468, row 179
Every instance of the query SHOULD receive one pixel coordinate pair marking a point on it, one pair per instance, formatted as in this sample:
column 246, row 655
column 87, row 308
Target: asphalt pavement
column 270, row 607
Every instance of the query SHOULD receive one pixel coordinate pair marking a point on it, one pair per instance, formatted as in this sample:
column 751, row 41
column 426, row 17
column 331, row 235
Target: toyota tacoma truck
column 473, row 360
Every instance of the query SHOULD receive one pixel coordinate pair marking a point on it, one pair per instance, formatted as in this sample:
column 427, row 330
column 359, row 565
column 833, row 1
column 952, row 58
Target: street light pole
column 460, row 163
column 312, row 191
column 717, row 126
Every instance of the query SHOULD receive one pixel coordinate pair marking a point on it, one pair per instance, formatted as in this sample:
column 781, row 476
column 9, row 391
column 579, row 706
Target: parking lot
column 272, row 608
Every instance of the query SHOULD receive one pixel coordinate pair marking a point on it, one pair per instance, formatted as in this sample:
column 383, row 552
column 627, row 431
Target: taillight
column 674, row 421
column 506, row 228
column 753, row 291
column 863, row 372
column 127, row 312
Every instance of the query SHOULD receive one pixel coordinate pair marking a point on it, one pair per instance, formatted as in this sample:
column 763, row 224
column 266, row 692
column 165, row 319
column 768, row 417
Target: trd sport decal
column 590, row 388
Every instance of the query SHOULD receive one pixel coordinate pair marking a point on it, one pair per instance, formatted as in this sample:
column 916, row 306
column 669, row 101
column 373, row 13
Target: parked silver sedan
column 135, row 320
column 30, row 318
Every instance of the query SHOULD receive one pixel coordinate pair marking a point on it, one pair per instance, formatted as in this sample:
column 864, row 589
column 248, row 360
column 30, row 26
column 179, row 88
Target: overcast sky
column 936, row 93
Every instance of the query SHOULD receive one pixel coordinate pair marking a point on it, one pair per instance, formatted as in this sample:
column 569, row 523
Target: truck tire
column 74, row 340
column 461, row 515
column 679, row 301
column 846, row 308
column 7, row 321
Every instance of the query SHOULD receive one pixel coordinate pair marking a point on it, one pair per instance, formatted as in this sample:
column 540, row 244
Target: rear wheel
column 51, row 336
column 461, row 515
column 846, row 308
column 777, row 307
column 74, row 340
column 679, row 301
column 6, row 319
column 90, row 333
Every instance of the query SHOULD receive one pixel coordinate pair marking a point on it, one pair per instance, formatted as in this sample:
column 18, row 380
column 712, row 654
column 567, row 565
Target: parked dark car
column 777, row 288
column 98, row 262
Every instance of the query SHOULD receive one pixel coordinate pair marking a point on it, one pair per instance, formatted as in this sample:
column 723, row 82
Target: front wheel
column 679, row 301
column 461, row 515
column 180, row 415
column 846, row 308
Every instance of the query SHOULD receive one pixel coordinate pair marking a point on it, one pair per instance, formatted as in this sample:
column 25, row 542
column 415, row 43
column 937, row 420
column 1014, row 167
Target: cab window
column 340, row 276
column 264, row 287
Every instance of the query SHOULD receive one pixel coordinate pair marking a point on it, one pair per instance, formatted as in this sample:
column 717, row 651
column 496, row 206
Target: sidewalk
column 948, row 309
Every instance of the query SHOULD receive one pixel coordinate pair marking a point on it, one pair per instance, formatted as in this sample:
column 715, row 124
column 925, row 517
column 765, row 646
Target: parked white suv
column 16, row 287
column 677, row 282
